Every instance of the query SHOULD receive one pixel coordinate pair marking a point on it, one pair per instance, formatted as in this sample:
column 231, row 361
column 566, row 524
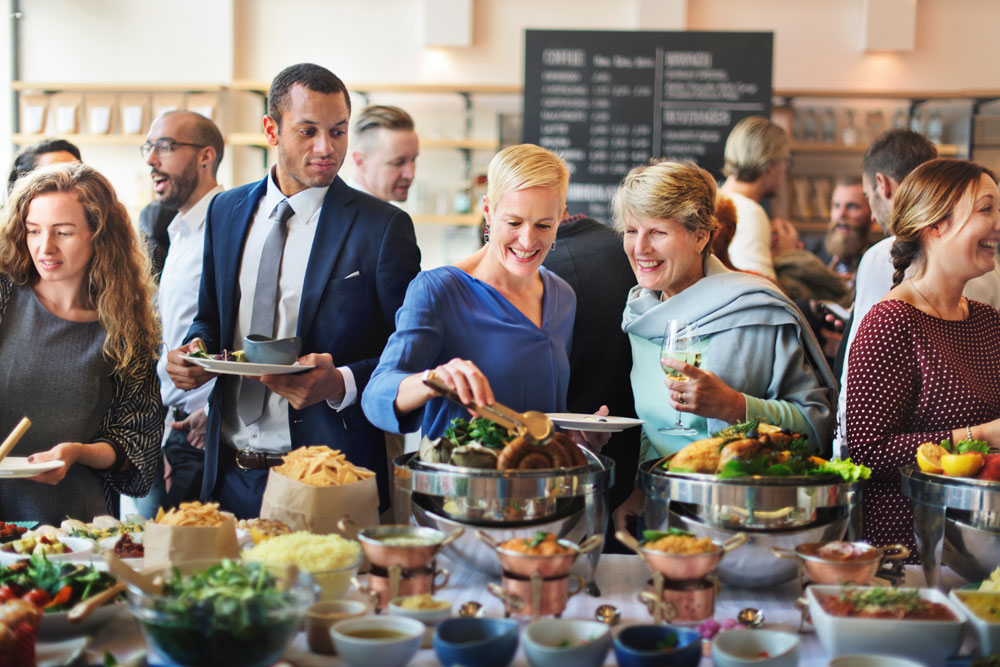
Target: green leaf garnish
column 652, row 535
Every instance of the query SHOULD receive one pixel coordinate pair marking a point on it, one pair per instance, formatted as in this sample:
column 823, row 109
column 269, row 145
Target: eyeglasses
column 164, row 146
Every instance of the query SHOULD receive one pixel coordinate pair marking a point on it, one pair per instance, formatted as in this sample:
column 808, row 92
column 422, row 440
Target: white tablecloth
column 619, row 577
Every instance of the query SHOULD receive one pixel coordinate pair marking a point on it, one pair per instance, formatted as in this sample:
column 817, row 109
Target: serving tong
column 531, row 425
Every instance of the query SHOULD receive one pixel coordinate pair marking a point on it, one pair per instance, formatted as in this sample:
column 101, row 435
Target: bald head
column 183, row 150
column 199, row 130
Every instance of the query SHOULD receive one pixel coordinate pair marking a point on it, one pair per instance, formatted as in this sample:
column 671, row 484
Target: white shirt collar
column 194, row 219
column 305, row 203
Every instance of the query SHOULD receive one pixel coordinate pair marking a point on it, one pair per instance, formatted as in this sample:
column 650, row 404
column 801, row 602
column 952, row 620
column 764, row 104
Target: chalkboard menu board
column 607, row 101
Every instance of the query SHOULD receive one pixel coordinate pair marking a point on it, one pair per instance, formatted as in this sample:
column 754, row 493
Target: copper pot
column 387, row 585
column 408, row 557
column 525, row 565
column 682, row 567
column 536, row 596
column 858, row 568
column 684, row 602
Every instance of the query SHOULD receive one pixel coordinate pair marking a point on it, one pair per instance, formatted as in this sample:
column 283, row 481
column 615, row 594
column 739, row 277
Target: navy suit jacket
column 348, row 316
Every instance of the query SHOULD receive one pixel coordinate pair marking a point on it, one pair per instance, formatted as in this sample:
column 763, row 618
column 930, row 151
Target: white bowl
column 872, row 661
column 736, row 648
column 560, row 642
column 80, row 550
column 361, row 652
column 428, row 617
column 57, row 626
column 987, row 632
column 928, row 642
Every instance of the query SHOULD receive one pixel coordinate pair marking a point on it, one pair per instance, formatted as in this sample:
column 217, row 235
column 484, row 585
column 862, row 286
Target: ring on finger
column 680, row 398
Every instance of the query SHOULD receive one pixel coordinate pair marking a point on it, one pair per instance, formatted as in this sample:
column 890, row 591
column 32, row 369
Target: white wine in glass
column 681, row 344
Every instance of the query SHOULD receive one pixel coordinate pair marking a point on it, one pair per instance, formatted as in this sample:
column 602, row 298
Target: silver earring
column 553, row 246
column 486, row 236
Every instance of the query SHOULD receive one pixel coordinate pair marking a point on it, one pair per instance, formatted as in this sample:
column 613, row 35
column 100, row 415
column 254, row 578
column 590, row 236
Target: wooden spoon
column 14, row 436
column 83, row 608
column 146, row 584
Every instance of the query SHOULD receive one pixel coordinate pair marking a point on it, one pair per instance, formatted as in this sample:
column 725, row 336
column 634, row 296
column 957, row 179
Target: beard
column 180, row 187
column 847, row 248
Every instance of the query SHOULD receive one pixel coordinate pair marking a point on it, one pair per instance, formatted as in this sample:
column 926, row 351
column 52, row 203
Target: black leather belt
column 247, row 459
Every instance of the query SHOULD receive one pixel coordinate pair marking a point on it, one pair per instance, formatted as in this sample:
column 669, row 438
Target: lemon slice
column 929, row 457
column 962, row 465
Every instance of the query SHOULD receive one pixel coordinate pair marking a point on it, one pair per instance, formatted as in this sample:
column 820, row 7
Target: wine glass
column 681, row 344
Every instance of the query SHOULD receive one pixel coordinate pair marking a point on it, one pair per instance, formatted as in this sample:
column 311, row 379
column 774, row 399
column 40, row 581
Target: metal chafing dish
column 771, row 511
column 956, row 522
column 571, row 503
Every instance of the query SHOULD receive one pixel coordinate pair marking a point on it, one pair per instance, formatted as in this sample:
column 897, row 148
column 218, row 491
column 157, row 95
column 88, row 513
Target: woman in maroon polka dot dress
column 926, row 361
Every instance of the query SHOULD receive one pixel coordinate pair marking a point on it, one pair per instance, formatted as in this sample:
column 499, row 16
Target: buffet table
column 620, row 578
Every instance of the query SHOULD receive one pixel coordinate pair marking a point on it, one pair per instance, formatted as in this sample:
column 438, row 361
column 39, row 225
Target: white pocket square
column 356, row 273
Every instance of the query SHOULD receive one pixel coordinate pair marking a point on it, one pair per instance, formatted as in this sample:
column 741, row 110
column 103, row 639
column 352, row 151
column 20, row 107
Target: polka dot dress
column 913, row 378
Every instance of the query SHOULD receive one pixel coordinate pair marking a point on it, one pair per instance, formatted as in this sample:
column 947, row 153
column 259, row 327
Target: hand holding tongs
column 531, row 424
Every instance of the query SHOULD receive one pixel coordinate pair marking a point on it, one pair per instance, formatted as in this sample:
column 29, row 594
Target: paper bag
column 319, row 508
column 132, row 111
column 179, row 544
column 100, row 113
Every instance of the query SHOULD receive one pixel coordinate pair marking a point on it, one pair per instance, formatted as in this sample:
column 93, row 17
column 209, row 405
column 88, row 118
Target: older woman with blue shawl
column 759, row 359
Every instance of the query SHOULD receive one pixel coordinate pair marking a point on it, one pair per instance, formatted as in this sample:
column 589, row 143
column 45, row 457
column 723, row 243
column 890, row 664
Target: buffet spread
column 748, row 519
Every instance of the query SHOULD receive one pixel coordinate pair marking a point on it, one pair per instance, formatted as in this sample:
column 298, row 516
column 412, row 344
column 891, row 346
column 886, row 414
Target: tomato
column 7, row 593
column 37, row 597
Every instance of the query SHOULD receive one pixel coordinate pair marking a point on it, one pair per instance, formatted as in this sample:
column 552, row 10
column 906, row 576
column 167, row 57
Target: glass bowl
column 204, row 628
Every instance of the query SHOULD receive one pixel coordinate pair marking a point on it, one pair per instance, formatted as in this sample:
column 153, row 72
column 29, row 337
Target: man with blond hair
column 385, row 152
column 756, row 162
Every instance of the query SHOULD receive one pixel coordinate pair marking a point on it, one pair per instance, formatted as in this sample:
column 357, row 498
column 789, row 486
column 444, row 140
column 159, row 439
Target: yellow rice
column 317, row 554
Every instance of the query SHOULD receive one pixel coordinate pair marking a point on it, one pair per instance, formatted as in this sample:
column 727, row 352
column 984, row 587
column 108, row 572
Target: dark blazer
column 153, row 221
column 349, row 317
column 589, row 256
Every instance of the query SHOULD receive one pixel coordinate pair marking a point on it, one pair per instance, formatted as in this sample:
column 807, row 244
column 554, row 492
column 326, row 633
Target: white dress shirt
column 177, row 297
column 270, row 433
column 874, row 280
column 750, row 249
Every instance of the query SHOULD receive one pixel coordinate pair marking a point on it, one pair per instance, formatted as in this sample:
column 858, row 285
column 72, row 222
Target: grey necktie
column 265, row 305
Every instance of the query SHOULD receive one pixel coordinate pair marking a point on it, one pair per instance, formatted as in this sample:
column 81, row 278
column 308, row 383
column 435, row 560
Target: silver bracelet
column 968, row 432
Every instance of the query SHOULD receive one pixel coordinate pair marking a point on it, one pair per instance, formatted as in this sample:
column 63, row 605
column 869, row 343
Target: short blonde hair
column 526, row 166
column 933, row 192
column 680, row 191
column 753, row 144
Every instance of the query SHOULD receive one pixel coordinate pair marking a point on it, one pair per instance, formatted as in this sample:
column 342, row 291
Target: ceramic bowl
column 872, row 661
column 982, row 610
column 483, row 642
column 558, row 642
column 81, row 549
column 738, row 648
column 928, row 642
column 322, row 616
column 263, row 350
column 377, row 652
column 640, row 646
column 425, row 616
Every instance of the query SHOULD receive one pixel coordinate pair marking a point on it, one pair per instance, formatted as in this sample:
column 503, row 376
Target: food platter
column 595, row 423
column 14, row 467
column 246, row 367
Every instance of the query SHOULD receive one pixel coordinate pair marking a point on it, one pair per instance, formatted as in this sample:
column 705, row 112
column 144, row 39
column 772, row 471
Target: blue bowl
column 263, row 350
column 483, row 642
column 637, row 646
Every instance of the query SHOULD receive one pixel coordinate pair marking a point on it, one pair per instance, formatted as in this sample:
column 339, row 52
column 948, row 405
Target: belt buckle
column 249, row 453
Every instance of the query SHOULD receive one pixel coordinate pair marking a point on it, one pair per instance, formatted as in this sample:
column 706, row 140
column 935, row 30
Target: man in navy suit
column 341, row 271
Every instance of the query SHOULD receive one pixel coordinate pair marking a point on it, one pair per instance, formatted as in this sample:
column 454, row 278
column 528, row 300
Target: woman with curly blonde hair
column 78, row 345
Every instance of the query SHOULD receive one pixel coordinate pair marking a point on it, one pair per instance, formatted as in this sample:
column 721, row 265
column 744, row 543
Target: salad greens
column 479, row 429
column 795, row 465
column 965, row 446
column 53, row 576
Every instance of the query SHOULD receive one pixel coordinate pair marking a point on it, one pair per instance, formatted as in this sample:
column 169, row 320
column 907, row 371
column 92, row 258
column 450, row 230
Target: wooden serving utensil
column 83, row 608
column 146, row 584
column 14, row 437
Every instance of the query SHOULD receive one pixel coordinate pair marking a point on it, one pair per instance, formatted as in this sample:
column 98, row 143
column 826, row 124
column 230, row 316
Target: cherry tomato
column 37, row 597
column 7, row 593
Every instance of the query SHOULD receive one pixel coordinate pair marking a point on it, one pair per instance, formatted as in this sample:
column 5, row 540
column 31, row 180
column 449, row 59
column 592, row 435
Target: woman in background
column 78, row 343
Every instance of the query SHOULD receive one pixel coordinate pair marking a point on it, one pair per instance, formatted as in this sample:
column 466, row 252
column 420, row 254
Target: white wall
column 371, row 41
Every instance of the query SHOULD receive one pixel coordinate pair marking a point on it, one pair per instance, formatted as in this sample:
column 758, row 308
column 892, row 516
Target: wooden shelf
column 112, row 87
column 83, row 139
column 944, row 150
column 257, row 139
column 256, row 86
column 460, row 219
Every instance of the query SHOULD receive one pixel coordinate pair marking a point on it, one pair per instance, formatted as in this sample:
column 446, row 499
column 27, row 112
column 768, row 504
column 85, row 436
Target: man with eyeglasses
column 299, row 253
column 183, row 150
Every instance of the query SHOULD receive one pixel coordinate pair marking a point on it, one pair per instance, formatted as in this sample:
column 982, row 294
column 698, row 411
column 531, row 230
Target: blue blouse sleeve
column 414, row 347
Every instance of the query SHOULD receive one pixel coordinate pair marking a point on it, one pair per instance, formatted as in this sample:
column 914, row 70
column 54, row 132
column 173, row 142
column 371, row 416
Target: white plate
column 59, row 653
column 17, row 466
column 55, row 625
column 247, row 368
column 82, row 551
column 583, row 422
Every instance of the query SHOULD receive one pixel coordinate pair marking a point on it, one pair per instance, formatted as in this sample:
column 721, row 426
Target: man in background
column 183, row 150
column 385, row 152
column 756, row 163
column 298, row 253
column 849, row 230
column 50, row 151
